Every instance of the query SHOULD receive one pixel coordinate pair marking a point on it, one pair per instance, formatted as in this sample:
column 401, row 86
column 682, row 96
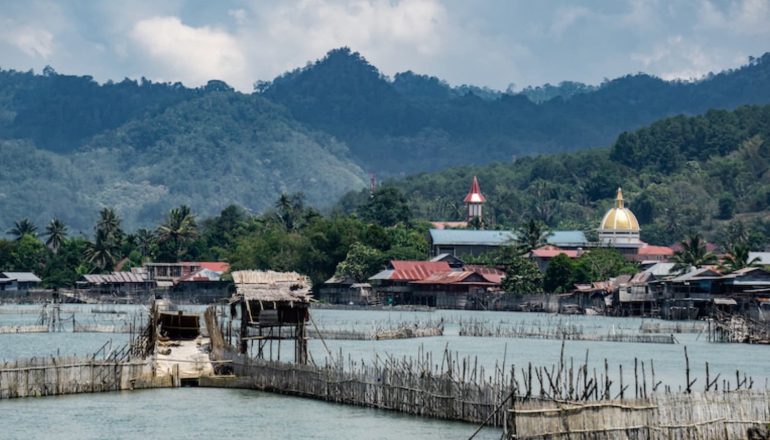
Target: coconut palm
column 179, row 226
column 145, row 240
column 101, row 252
column 692, row 253
column 56, row 231
column 23, row 227
column 531, row 234
column 738, row 258
column 109, row 221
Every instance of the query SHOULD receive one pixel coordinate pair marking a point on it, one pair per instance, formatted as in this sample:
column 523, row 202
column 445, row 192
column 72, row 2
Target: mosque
column 618, row 229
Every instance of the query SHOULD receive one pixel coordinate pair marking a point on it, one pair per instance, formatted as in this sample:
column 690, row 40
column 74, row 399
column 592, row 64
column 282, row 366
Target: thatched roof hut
column 269, row 286
column 270, row 300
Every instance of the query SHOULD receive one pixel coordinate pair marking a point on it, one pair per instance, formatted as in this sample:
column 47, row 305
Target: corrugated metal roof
column 416, row 270
column 550, row 253
column 499, row 238
column 703, row 272
column 116, row 277
column 384, row 275
column 661, row 269
column 23, row 277
column 655, row 250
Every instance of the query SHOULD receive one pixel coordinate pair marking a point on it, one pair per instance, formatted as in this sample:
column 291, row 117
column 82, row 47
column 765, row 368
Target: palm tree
column 101, row 252
column 146, row 239
column 179, row 225
column 693, row 253
column 23, row 227
column 531, row 234
column 56, row 231
column 738, row 258
column 109, row 221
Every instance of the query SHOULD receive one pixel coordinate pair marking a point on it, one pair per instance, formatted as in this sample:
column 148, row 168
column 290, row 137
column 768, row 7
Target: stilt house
column 273, row 306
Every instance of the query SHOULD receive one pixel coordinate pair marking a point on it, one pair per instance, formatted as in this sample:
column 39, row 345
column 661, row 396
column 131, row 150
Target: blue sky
column 490, row 43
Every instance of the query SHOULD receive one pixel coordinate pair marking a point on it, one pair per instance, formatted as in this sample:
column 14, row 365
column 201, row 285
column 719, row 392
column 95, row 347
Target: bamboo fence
column 704, row 416
column 52, row 376
column 561, row 330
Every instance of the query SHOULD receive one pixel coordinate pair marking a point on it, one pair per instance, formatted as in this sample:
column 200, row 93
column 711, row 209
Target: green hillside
column 209, row 152
column 708, row 173
column 417, row 123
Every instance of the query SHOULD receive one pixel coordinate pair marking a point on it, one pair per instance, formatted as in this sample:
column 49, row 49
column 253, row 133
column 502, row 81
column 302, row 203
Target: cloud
column 677, row 58
column 565, row 18
column 746, row 17
column 33, row 41
column 192, row 54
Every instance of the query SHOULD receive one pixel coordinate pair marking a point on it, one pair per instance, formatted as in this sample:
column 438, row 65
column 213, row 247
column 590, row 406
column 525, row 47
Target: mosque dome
column 619, row 217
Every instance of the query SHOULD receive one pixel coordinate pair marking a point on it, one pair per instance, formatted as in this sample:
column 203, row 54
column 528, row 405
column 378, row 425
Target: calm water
column 198, row 413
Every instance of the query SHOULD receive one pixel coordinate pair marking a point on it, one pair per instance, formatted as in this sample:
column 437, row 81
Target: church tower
column 474, row 200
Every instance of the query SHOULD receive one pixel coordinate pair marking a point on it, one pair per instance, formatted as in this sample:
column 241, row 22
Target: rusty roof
column 416, row 270
column 117, row 278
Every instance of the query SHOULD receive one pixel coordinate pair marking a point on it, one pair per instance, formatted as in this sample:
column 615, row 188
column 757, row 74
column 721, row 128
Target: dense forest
column 72, row 146
column 680, row 175
column 416, row 123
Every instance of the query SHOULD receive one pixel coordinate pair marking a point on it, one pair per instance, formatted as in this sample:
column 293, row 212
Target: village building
column 346, row 291
column 165, row 275
column 19, row 281
column 452, row 289
column 121, row 283
column 393, row 285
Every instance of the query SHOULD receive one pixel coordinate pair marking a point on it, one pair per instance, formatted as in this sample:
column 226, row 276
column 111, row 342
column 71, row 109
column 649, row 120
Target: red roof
column 215, row 266
column 444, row 225
column 550, row 253
column 474, row 195
column 678, row 247
column 489, row 273
column 416, row 270
column 454, row 277
column 655, row 250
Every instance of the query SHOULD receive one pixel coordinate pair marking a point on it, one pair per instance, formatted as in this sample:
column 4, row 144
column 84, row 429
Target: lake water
column 200, row 413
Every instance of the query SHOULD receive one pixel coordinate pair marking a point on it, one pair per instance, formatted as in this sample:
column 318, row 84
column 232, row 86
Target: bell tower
column 474, row 200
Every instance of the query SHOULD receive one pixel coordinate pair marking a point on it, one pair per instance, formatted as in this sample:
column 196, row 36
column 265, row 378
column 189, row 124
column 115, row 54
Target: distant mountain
column 70, row 145
column 417, row 123
column 209, row 152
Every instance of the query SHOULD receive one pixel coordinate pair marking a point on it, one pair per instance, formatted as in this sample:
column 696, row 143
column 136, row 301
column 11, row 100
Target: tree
column 692, row 252
column 738, row 258
column 361, row 262
column 387, row 207
column 600, row 264
column 179, row 225
column 145, row 240
column 531, row 234
column 102, row 251
column 28, row 255
column 109, row 222
column 558, row 274
column 726, row 206
column 23, row 227
column 522, row 276
column 56, row 231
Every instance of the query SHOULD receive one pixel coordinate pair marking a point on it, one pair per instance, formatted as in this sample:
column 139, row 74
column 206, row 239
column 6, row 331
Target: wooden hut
column 273, row 307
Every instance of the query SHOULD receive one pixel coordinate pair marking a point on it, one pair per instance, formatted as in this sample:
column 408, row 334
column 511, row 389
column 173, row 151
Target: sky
column 492, row 43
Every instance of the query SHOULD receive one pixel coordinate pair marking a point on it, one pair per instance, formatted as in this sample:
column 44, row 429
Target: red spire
column 474, row 195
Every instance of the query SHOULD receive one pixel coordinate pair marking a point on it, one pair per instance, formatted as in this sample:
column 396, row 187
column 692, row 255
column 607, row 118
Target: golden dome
column 620, row 217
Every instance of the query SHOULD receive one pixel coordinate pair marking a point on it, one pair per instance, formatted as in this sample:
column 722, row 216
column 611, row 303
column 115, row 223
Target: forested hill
column 707, row 174
column 211, row 151
column 71, row 146
column 417, row 123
